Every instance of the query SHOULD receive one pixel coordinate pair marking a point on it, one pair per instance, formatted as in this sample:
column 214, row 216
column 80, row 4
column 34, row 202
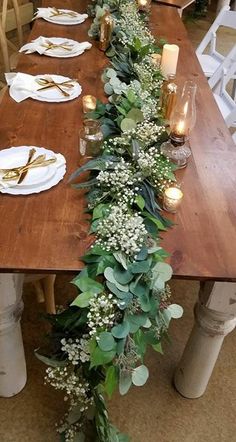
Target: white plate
column 63, row 53
column 38, row 179
column 66, row 20
column 53, row 94
column 18, row 156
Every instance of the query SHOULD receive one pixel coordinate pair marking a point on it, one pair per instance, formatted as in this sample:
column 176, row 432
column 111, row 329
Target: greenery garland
column 123, row 306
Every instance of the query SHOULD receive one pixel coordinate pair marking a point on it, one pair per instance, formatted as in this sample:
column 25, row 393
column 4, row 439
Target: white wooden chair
column 225, row 102
column 216, row 79
column 212, row 60
column 13, row 18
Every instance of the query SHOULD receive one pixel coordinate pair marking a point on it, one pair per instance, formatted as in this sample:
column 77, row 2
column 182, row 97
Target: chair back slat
column 229, row 19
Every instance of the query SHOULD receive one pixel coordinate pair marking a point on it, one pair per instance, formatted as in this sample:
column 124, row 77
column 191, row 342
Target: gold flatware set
column 64, row 45
column 48, row 82
column 57, row 12
column 19, row 173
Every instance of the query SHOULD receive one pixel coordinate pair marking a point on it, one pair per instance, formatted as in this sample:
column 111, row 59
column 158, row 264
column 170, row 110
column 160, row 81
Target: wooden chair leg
column 18, row 21
column 48, row 285
column 39, row 290
column 3, row 42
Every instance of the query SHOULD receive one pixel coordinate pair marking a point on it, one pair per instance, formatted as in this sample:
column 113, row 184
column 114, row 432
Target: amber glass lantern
column 182, row 121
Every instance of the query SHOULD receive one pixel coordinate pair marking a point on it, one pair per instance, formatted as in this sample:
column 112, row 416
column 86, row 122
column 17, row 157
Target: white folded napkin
column 38, row 45
column 61, row 161
column 22, row 86
column 48, row 13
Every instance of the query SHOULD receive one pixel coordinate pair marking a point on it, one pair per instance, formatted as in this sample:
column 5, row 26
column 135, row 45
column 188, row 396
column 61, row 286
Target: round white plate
column 66, row 20
column 38, row 179
column 63, row 53
column 53, row 94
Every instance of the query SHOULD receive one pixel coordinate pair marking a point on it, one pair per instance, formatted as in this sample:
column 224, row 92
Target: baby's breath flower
column 102, row 312
column 121, row 230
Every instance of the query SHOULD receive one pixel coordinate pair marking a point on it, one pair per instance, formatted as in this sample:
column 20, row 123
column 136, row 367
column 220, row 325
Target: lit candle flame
column 180, row 127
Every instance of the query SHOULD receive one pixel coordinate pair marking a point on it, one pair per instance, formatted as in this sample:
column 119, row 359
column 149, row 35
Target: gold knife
column 23, row 175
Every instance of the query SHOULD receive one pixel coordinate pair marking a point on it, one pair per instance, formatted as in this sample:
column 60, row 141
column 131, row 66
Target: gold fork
column 59, row 12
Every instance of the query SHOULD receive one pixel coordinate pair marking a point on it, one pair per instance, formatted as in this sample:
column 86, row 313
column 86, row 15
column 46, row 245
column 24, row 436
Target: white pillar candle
column 169, row 59
column 172, row 199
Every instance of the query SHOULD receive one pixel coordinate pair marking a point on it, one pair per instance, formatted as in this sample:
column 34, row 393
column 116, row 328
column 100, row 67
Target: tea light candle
column 144, row 5
column 156, row 59
column 89, row 103
column 169, row 59
column 172, row 199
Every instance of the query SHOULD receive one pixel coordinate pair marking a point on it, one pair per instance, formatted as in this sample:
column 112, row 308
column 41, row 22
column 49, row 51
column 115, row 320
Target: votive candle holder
column 172, row 199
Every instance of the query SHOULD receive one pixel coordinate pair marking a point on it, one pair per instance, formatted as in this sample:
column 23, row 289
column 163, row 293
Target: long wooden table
column 47, row 232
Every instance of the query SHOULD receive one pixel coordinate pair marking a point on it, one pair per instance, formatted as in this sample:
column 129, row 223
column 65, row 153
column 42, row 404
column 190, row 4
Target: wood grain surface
column 48, row 232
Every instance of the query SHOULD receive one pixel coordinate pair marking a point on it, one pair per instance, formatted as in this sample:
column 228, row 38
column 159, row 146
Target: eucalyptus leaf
column 125, row 381
column 111, row 73
column 175, row 310
column 125, row 301
column 106, row 342
column 127, row 124
column 120, row 331
column 140, row 375
column 163, row 271
column 108, row 89
column 109, row 275
column 112, row 287
column 122, row 276
column 142, row 254
column 136, row 115
column 121, row 258
column 140, row 266
column 120, row 346
column 136, row 321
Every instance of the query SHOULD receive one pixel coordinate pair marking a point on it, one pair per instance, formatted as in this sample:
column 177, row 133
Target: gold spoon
column 16, row 174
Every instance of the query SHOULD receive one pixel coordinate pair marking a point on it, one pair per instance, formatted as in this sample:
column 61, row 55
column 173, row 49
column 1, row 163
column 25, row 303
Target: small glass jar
column 90, row 140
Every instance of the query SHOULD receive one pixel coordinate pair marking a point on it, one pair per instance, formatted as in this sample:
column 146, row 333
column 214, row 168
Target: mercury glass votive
column 144, row 5
column 172, row 199
column 156, row 59
column 89, row 103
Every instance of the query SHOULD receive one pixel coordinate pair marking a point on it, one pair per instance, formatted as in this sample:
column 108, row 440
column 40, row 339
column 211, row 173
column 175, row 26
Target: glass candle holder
column 90, row 140
column 182, row 121
column 106, row 28
column 89, row 103
column 168, row 96
column 172, row 199
column 144, row 5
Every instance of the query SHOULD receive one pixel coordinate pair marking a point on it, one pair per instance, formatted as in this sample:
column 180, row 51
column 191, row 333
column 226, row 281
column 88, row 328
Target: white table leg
column 215, row 317
column 12, row 357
